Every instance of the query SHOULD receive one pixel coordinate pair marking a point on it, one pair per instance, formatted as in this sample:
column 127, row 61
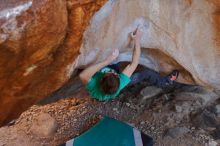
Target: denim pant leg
column 153, row 77
column 143, row 75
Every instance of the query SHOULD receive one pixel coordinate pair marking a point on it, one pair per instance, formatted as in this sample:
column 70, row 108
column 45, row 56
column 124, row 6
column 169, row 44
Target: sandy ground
column 168, row 117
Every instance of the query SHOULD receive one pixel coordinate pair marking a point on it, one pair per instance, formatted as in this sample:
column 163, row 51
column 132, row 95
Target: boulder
column 39, row 42
column 174, row 36
column 44, row 125
column 204, row 96
column 206, row 119
column 30, row 33
column 150, row 91
column 176, row 132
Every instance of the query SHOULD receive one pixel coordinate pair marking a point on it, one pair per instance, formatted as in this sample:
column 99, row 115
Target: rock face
column 150, row 91
column 39, row 41
column 44, row 125
column 180, row 35
column 176, row 132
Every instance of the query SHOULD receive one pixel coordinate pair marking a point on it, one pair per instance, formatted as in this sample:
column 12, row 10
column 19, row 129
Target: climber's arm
column 136, row 54
column 87, row 73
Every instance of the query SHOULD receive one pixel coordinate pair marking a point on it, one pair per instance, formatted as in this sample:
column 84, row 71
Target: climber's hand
column 136, row 35
column 87, row 73
column 113, row 56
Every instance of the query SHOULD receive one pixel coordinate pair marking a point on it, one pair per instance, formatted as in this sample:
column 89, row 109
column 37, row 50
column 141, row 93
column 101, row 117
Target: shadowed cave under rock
column 155, row 60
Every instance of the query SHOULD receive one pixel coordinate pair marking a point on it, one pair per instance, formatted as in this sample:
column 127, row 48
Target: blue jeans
column 153, row 77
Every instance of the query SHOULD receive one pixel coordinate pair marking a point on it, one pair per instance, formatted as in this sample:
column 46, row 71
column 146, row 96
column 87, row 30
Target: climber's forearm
column 90, row 71
column 136, row 54
column 87, row 73
column 135, row 60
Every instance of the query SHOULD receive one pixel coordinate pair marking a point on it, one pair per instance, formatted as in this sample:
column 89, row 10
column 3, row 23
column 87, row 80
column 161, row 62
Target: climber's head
column 110, row 83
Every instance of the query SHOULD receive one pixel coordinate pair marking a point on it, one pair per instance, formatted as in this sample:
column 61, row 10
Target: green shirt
column 94, row 89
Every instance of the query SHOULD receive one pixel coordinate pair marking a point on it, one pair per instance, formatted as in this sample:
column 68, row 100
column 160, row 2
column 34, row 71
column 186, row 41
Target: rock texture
column 39, row 41
column 185, row 35
column 78, row 113
column 44, row 125
column 150, row 92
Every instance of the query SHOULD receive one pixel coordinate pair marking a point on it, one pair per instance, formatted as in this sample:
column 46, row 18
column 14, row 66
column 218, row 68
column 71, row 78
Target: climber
column 104, row 81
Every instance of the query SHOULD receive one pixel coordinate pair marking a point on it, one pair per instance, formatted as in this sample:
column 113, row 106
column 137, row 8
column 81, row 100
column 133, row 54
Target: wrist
column 137, row 38
column 107, row 62
column 137, row 41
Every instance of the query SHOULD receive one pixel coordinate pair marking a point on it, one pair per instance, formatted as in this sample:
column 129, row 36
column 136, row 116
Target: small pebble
column 142, row 122
column 193, row 128
column 128, row 104
column 152, row 128
column 115, row 109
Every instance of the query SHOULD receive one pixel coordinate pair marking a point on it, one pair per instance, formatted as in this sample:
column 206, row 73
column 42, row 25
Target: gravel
column 76, row 115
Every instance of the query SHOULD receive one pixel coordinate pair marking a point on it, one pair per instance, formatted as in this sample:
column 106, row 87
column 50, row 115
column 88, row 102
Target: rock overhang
column 175, row 28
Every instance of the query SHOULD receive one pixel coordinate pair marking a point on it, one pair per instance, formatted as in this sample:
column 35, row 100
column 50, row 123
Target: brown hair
column 110, row 83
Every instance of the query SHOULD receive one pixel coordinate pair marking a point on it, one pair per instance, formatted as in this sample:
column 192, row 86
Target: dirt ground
column 176, row 117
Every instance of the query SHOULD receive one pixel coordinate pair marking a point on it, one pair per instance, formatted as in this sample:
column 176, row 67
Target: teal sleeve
column 93, row 82
column 124, row 81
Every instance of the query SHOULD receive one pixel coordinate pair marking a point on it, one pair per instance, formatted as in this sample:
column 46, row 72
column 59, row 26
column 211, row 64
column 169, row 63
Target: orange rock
column 32, row 32
column 39, row 41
